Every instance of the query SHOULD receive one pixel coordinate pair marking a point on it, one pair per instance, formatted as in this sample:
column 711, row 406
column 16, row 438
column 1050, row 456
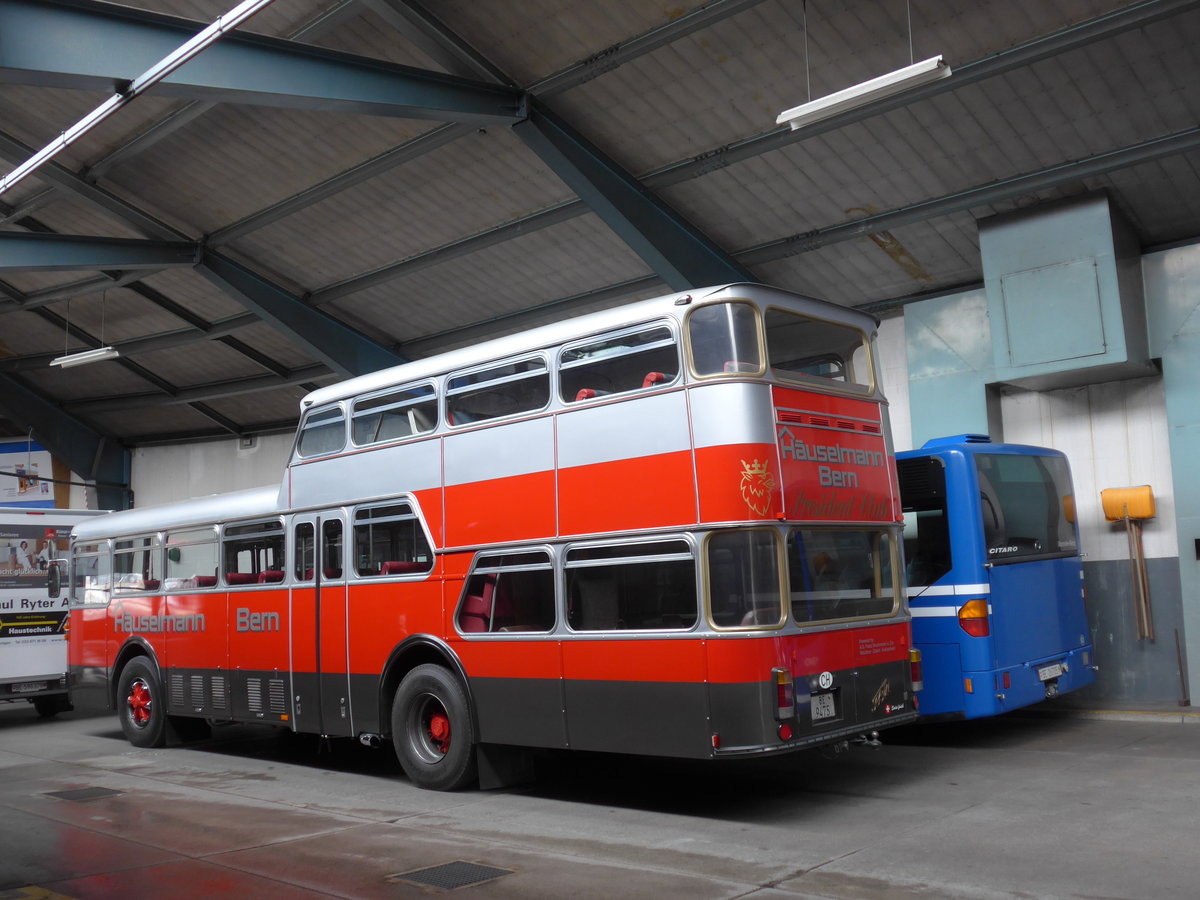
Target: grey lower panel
column 651, row 718
column 1132, row 668
column 526, row 712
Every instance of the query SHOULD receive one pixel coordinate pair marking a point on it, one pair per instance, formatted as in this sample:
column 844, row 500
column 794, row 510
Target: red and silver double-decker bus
column 670, row 528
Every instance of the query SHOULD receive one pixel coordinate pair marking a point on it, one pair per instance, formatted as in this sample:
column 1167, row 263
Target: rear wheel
column 432, row 730
column 140, row 705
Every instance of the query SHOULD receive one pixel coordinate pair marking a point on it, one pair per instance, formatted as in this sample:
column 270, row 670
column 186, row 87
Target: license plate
column 822, row 707
column 28, row 687
column 1045, row 673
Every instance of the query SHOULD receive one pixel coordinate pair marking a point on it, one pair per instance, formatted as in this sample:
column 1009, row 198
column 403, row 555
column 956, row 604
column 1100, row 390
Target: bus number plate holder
column 823, row 707
column 1045, row 673
column 28, row 687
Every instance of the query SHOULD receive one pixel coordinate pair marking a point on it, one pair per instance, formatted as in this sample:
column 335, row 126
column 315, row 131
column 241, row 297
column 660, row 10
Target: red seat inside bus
column 206, row 581
column 270, row 576
column 241, row 578
column 653, row 378
column 476, row 613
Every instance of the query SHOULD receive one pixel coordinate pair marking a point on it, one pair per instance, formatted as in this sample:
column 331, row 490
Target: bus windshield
column 839, row 574
column 1024, row 503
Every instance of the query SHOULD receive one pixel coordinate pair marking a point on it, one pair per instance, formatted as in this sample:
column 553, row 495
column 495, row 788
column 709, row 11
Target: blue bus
column 994, row 573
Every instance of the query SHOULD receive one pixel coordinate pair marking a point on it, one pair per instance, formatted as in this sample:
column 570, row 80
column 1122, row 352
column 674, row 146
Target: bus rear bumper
column 1003, row 690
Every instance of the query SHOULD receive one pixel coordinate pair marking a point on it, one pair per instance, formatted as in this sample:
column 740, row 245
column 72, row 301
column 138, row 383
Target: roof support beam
column 342, row 349
column 27, row 252
column 90, row 454
column 84, row 45
column 671, row 246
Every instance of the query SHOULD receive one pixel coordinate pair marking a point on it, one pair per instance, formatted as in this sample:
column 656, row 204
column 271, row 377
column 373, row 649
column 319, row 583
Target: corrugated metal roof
column 423, row 236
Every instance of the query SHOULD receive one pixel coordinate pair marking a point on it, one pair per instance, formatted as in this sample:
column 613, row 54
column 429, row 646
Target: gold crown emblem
column 754, row 467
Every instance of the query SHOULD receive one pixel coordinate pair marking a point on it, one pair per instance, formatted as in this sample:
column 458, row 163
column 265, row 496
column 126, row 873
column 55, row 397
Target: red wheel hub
column 439, row 731
column 139, row 702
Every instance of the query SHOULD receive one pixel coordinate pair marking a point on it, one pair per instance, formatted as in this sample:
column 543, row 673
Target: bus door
column 320, row 680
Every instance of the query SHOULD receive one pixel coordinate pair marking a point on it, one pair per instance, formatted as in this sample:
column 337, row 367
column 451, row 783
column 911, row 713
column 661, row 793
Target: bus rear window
column 1024, row 502
column 804, row 348
column 628, row 361
column 839, row 574
column 724, row 339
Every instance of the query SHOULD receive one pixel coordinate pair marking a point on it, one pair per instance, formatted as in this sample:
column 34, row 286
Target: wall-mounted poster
column 23, row 466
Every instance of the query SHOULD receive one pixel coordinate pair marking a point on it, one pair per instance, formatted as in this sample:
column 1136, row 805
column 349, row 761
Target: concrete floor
column 1025, row 806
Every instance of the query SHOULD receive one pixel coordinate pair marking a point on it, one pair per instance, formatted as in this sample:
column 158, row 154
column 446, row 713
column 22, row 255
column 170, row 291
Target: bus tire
column 141, row 705
column 48, row 707
column 432, row 730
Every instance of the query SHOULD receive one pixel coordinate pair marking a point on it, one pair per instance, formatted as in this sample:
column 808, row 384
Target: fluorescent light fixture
column 86, row 356
column 866, row 92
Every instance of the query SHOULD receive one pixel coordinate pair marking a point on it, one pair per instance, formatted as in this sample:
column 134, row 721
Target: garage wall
column 183, row 471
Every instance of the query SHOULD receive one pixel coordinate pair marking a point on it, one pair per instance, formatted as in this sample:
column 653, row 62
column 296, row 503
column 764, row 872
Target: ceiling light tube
column 85, row 356
column 866, row 92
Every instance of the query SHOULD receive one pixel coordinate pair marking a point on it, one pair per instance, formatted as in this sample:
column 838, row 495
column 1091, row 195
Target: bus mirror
column 54, row 578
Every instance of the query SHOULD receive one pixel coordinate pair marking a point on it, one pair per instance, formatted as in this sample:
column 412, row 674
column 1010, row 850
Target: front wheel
column 140, row 705
column 432, row 730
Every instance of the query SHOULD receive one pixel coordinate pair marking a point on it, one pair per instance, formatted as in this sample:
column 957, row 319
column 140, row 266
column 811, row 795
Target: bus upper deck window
column 397, row 414
column 630, row 360
column 805, row 348
column 724, row 339
column 504, row 390
column 323, row 431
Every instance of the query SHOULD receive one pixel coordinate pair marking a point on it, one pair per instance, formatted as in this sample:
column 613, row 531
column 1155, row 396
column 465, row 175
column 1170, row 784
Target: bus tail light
column 915, row 669
column 785, row 696
column 973, row 618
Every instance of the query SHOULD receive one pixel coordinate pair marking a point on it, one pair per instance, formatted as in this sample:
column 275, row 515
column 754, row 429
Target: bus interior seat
column 331, row 572
column 585, row 394
column 150, row 584
column 476, row 613
column 653, row 378
column 270, row 576
column 241, row 578
column 203, row 581
column 401, row 567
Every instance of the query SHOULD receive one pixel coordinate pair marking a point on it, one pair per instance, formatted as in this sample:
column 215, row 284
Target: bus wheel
column 140, row 705
column 431, row 729
column 48, row 707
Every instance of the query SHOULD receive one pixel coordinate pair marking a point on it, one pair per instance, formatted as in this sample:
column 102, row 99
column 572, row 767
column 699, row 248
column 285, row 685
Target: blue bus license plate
column 1045, row 673
column 822, row 707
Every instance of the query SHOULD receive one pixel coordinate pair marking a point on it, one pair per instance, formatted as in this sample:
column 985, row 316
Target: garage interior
column 336, row 187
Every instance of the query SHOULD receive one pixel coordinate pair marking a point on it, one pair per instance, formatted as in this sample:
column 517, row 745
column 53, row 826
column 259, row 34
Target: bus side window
column 631, row 360
column 743, row 579
column 509, row 592
column 191, row 559
column 723, row 338
column 806, row 348
column 388, row 540
column 253, row 553
column 397, row 414
column 136, row 564
column 322, row 432
column 647, row 585
column 513, row 387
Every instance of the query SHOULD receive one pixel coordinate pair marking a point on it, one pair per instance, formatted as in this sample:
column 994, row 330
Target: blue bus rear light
column 973, row 618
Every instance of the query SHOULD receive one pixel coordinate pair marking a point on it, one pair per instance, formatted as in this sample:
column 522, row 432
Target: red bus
column 670, row 528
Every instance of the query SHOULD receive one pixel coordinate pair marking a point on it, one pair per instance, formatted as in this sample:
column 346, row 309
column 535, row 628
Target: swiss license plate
column 822, row 707
column 28, row 687
column 1045, row 673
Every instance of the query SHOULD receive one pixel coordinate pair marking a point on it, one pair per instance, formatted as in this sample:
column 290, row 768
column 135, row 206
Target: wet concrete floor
column 1023, row 806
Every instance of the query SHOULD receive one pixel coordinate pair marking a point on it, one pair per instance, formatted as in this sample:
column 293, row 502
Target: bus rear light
column 915, row 669
column 968, row 686
column 716, row 741
column 973, row 618
column 785, row 696
column 1007, row 680
column 785, row 732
